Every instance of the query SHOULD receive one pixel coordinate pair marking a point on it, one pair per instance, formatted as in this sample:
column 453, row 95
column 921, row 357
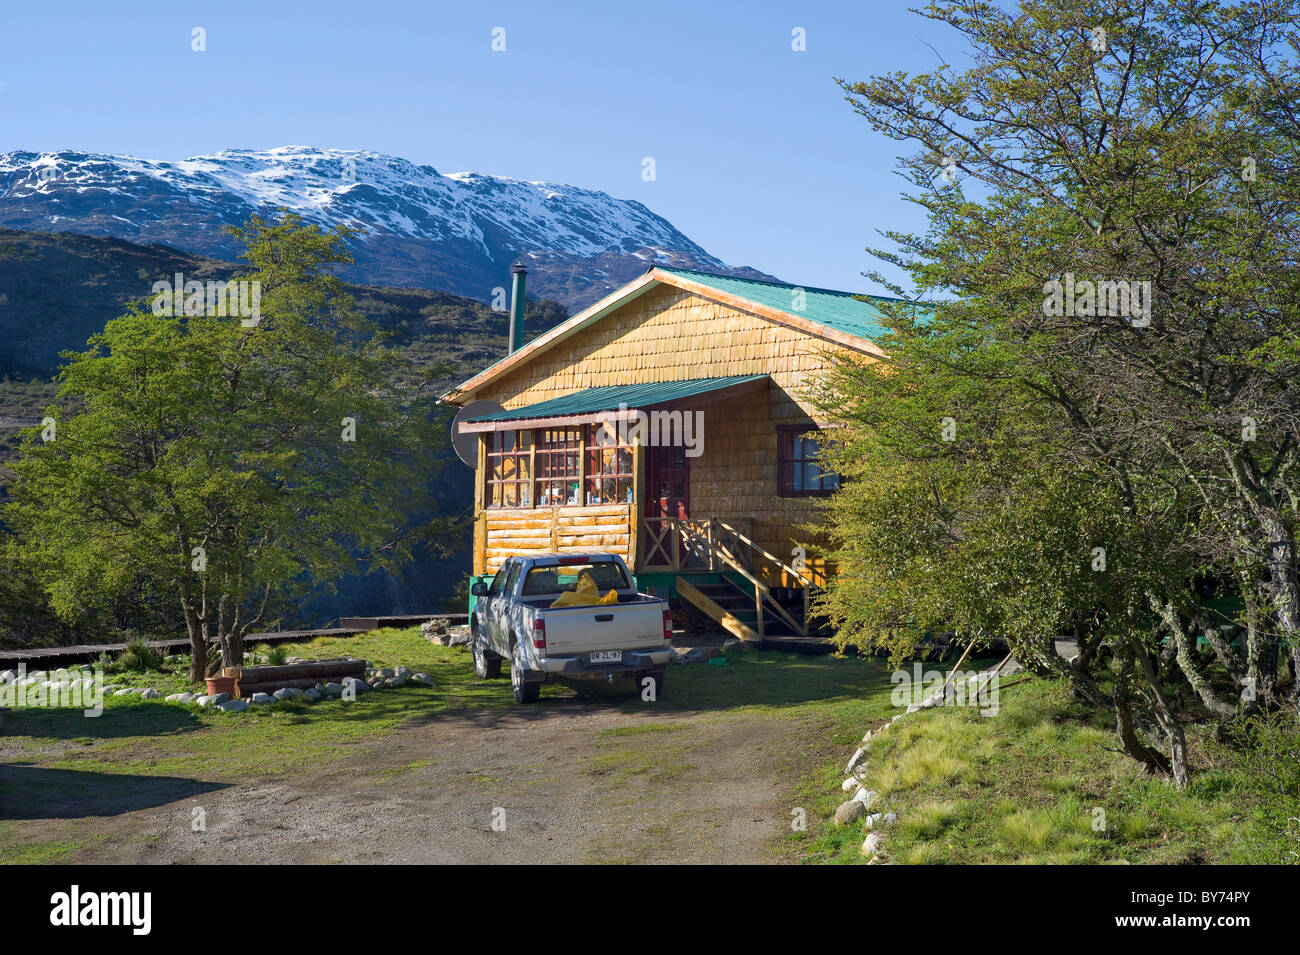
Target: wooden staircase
column 734, row 594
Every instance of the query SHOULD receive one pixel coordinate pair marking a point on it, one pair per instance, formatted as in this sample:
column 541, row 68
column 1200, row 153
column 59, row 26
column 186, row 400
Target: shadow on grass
column 115, row 722
column 31, row 792
column 761, row 679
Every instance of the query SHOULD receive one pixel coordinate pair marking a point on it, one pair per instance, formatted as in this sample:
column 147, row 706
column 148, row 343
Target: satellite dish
column 466, row 445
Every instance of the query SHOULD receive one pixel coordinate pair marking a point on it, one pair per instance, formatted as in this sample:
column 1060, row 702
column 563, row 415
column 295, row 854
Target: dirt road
column 565, row 781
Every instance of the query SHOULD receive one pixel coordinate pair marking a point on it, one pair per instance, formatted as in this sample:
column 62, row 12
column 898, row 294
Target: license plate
column 606, row 656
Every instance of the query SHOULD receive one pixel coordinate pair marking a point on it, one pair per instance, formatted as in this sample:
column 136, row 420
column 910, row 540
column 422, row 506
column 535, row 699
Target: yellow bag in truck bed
column 584, row 594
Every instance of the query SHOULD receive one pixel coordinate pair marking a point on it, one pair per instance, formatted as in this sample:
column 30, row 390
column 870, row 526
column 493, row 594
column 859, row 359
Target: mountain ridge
column 459, row 232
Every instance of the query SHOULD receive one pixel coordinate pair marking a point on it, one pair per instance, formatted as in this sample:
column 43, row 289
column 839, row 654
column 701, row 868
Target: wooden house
column 572, row 455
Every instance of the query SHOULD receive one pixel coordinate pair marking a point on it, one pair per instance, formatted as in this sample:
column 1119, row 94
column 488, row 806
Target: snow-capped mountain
column 459, row 232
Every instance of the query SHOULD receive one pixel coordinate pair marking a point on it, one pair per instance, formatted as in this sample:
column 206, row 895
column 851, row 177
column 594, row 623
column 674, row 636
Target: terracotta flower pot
column 221, row 684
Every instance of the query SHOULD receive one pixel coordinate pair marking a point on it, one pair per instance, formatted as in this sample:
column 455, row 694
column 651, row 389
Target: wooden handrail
column 772, row 557
column 761, row 590
column 712, row 539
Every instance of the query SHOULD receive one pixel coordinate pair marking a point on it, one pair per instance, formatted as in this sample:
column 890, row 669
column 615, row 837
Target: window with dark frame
column 509, row 483
column 799, row 471
column 609, row 466
column 558, row 452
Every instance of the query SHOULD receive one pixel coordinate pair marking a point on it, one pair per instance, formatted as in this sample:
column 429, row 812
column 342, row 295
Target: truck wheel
column 658, row 677
column 487, row 665
column 525, row 692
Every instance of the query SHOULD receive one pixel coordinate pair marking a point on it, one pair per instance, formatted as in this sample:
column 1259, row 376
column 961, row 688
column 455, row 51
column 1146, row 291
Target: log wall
column 542, row 530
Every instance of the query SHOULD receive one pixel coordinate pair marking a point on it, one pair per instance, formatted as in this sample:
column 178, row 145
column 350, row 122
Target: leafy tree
column 229, row 462
column 1148, row 151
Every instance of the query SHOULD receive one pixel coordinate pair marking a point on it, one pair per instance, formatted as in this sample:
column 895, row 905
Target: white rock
column 262, row 698
column 333, row 689
column 126, row 691
column 856, row 758
column 179, row 698
column 423, row 679
column 288, row 693
column 873, row 844
column 866, row 797
column 849, row 784
column 233, row 706
column 149, row 693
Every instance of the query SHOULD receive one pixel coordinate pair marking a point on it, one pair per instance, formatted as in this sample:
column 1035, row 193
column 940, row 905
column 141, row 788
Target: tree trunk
column 1151, row 760
column 1165, row 716
column 1187, row 662
column 198, row 639
column 1261, row 656
column 1280, row 557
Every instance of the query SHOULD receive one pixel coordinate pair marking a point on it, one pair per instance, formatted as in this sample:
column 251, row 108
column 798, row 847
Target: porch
column 719, row 567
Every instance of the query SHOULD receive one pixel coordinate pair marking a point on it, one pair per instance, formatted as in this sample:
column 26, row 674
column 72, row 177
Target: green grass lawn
column 1024, row 786
column 1042, row 782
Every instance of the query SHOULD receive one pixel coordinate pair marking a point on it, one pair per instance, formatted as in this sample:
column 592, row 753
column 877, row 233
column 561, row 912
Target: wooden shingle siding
column 667, row 334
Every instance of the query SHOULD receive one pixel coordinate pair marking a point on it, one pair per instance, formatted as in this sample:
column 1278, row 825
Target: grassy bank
column 1042, row 782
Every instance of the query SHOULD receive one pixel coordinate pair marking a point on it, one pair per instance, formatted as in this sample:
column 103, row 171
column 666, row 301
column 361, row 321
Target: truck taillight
column 668, row 625
column 539, row 634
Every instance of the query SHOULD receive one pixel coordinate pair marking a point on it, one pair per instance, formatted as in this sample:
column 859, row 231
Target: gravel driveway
column 565, row 781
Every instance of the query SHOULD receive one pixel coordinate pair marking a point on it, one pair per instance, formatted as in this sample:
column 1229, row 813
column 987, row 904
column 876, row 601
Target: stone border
column 856, row 807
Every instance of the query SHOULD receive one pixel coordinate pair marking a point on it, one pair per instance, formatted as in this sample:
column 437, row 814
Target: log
column 249, row 680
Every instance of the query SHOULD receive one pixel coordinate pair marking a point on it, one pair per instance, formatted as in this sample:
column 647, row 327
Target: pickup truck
column 514, row 620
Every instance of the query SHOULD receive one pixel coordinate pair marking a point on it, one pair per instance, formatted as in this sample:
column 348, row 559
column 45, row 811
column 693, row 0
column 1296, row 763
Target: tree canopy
column 1089, row 420
column 229, row 461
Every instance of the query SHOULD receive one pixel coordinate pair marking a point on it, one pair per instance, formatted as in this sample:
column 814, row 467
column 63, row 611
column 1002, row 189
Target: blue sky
column 758, row 157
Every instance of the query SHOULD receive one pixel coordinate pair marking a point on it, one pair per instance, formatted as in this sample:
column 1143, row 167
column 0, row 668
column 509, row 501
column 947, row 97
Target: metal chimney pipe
column 518, row 275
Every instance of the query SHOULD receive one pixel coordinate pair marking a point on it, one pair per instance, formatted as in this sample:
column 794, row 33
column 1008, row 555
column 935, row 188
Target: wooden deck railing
column 672, row 544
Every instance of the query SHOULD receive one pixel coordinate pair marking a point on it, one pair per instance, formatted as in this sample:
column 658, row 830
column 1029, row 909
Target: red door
column 669, row 483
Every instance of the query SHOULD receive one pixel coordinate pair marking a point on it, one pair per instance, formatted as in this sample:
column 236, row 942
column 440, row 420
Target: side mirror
column 479, row 589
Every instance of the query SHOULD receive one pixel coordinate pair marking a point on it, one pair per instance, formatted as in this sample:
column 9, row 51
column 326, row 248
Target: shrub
column 139, row 657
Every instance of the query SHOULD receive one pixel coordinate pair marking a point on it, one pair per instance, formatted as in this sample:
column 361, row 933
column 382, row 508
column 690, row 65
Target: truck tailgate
column 571, row 630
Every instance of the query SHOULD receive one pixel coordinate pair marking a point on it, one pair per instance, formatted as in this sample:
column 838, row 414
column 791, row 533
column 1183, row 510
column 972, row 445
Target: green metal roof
column 842, row 311
column 611, row 397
